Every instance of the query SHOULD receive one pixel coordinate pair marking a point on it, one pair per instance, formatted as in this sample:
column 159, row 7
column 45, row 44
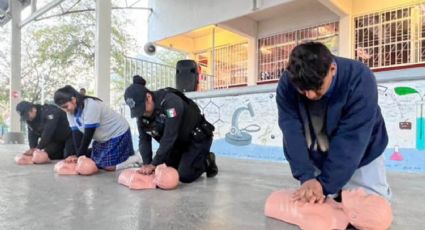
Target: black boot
column 212, row 168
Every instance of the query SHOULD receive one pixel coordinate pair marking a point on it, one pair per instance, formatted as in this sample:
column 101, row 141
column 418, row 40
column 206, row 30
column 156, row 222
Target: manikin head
column 63, row 168
column 166, row 177
column 367, row 212
column 86, row 166
column 40, row 157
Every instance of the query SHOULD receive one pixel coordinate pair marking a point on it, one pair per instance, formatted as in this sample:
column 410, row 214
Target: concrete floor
column 33, row 197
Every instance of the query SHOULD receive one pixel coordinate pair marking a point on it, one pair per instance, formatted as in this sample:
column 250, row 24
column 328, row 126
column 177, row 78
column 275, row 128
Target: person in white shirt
column 90, row 119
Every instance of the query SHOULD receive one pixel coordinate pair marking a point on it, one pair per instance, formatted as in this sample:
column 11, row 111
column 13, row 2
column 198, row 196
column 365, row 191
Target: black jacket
column 49, row 125
column 172, row 124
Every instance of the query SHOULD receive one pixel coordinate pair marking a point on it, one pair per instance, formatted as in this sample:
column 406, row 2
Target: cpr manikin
column 32, row 157
column 66, row 168
column 134, row 180
column 365, row 212
column 40, row 157
column 86, row 166
column 326, row 216
column 23, row 159
column 83, row 166
column 164, row 177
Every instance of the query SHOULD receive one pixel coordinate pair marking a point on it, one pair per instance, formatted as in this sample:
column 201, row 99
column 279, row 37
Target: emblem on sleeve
column 130, row 102
column 171, row 112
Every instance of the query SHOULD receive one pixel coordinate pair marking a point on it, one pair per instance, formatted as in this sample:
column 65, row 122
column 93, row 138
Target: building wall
column 367, row 6
column 246, row 121
column 221, row 38
column 247, row 126
column 180, row 43
column 191, row 45
column 301, row 18
column 173, row 17
column 243, row 26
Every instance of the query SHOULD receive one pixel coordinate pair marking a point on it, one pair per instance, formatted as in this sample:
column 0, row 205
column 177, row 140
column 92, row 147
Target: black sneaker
column 212, row 168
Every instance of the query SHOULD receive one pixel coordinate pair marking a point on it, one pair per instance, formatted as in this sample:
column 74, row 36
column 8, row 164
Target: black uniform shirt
column 171, row 123
column 50, row 124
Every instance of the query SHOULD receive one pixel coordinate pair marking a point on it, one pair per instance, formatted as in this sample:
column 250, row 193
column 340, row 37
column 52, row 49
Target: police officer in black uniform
column 48, row 129
column 175, row 121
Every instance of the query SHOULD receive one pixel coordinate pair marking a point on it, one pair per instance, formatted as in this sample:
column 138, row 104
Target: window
column 229, row 69
column 387, row 39
column 274, row 51
column 231, row 65
column 421, row 40
column 274, row 54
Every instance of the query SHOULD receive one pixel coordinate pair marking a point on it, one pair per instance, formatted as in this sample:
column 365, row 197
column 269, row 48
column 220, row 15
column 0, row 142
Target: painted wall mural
column 402, row 104
column 247, row 126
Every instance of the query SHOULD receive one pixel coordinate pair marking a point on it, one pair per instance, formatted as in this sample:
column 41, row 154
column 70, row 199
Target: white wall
column 172, row 17
column 301, row 18
column 179, row 43
column 243, row 26
column 368, row 6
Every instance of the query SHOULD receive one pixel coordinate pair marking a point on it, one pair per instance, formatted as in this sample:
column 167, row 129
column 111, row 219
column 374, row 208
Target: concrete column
column 343, row 8
column 346, row 37
column 33, row 6
column 252, row 61
column 15, row 81
column 103, row 50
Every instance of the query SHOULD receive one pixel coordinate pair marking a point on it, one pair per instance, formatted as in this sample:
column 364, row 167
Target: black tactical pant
column 58, row 150
column 190, row 159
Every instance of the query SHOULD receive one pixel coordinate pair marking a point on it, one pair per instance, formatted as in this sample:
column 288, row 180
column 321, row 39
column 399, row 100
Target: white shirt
column 108, row 123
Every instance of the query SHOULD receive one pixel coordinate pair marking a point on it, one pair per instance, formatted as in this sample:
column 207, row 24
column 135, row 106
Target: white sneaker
column 133, row 161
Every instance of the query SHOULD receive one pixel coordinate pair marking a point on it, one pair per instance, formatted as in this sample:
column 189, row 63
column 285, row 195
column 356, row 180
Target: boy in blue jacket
column 333, row 130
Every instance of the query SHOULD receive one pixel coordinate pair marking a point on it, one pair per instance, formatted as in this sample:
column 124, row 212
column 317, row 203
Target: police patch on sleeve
column 171, row 112
column 130, row 102
column 50, row 116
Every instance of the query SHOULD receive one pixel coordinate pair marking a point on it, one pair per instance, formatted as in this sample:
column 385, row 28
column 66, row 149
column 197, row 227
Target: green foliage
column 4, row 71
column 60, row 51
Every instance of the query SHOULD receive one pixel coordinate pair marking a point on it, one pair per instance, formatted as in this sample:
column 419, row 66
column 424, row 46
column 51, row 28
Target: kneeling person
column 90, row 119
column 48, row 129
column 175, row 121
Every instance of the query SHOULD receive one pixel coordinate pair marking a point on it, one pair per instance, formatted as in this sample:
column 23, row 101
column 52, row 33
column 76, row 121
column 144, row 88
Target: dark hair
column 65, row 94
column 308, row 65
column 139, row 80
